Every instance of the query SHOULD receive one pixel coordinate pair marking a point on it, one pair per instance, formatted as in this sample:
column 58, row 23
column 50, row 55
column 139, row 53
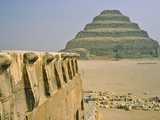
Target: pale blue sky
column 49, row 24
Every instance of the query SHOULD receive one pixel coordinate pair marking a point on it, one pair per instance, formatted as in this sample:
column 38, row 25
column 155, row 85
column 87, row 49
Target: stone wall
column 40, row 86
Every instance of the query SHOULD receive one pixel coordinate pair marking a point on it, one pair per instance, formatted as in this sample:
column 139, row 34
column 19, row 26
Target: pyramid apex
column 111, row 12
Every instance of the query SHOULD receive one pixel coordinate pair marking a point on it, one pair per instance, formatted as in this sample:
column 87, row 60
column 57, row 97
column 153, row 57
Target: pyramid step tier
column 114, row 39
column 111, row 25
column 111, row 18
column 84, row 34
column 111, row 15
column 88, row 44
column 111, row 12
column 113, row 30
column 110, row 22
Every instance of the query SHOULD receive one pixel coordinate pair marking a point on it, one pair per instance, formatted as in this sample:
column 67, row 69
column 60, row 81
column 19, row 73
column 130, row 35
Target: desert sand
column 138, row 77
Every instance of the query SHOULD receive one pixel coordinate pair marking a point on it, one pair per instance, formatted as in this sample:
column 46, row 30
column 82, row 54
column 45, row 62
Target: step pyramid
column 112, row 34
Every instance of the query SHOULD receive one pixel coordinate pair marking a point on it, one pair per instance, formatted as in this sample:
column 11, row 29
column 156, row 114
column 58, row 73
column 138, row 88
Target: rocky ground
column 134, row 87
column 129, row 101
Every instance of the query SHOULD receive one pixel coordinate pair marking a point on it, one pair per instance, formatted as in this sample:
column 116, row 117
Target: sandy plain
column 139, row 77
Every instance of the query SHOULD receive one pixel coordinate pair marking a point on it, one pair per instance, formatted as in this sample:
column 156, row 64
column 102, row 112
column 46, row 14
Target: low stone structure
column 40, row 86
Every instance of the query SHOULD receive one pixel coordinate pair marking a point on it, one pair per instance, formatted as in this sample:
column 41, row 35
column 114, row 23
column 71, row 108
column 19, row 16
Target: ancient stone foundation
column 40, row 86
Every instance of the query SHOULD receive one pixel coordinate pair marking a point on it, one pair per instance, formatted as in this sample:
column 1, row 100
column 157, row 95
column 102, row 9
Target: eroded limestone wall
column 40, row 86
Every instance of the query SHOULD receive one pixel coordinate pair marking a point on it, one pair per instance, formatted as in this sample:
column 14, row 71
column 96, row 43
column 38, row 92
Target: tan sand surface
column 129, row 115
column 124, row 76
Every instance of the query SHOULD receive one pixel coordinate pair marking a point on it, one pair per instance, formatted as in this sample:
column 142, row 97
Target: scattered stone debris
column 128, row 102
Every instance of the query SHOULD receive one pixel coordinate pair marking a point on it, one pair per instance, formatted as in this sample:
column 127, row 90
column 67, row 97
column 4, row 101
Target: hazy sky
column 49, row 24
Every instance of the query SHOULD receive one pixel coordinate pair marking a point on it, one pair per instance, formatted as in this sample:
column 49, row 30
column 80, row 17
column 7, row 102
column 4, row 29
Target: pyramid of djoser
column 113, row 35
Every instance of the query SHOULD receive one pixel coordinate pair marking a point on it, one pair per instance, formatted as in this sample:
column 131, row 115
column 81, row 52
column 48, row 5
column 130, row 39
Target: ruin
column 40, row 86
column 112, row 35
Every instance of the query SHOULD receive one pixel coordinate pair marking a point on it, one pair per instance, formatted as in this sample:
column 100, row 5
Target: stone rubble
column 128, row 102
